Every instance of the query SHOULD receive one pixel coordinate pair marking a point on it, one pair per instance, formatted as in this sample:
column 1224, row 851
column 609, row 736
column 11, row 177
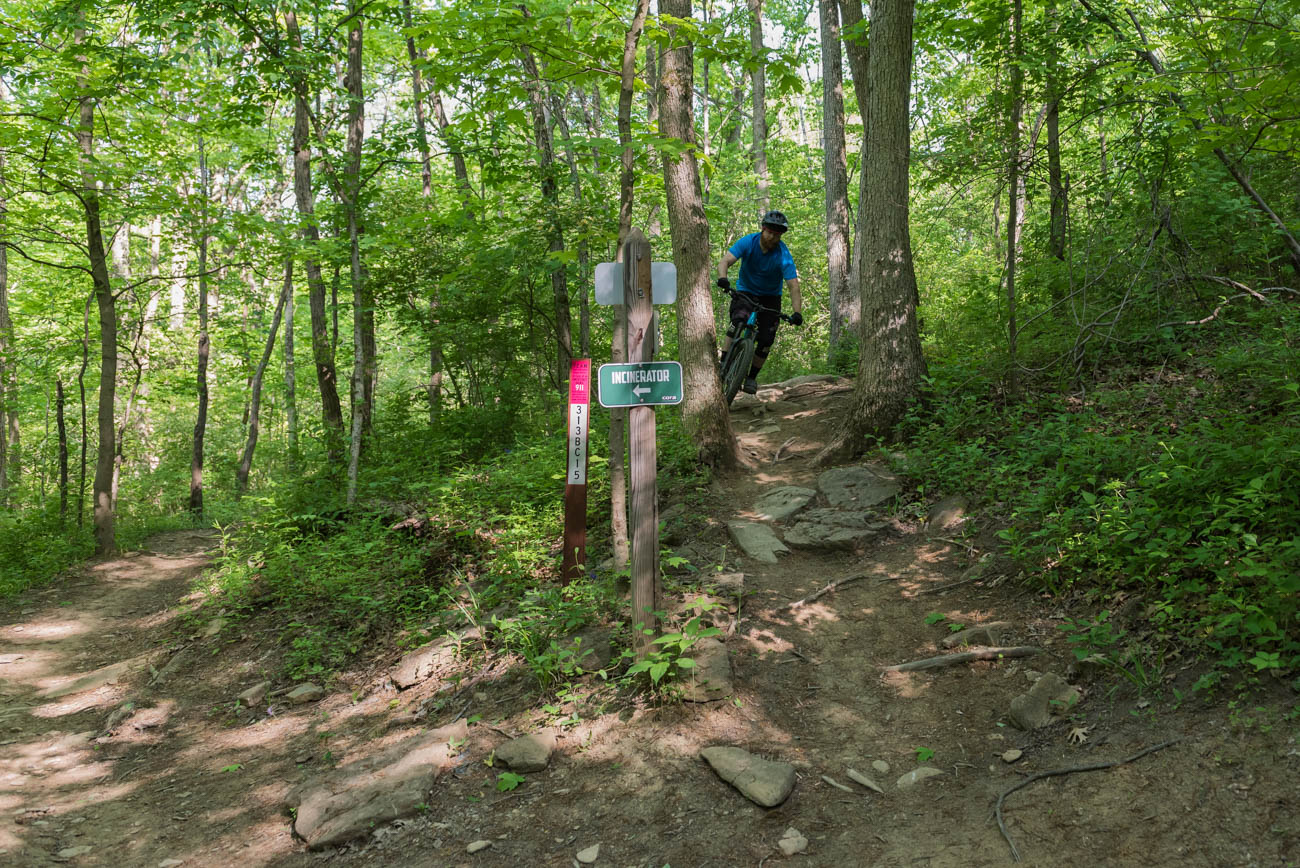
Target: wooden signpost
column 575, row 480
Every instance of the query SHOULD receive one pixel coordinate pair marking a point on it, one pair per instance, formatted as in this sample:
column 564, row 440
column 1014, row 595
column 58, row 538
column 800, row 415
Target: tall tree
column 105, row 533
column 758, row 81
column 844, row 305
column 255, row 399
column 890, row 364
column 551, row 203
column 8, row 360
column 204, row 345
column 321, row 346
column 1015, row 189
column 363, row 348
column 705, row 409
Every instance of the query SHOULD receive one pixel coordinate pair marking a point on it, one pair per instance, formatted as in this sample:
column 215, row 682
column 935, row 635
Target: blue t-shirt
column 762, row 273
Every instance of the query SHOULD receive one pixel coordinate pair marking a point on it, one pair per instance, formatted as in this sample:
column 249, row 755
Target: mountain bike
column 741, row 354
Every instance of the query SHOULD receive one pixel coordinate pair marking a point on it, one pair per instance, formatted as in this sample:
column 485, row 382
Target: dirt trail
column 184, row 775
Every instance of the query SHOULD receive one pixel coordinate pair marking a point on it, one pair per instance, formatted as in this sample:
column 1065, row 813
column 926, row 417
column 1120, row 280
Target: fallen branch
column 826, row 590
column 777, row 455
column 1015, row 854
column 965, row 657
column 941, row 588
column 1246, row 292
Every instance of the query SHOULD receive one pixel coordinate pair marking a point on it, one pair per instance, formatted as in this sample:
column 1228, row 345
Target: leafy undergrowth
column 474, row 546
column 1168, row 487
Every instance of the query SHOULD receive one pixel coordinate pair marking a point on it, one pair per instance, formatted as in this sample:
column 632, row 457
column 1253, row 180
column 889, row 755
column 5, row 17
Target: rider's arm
column 726, row 262
column 796, row 299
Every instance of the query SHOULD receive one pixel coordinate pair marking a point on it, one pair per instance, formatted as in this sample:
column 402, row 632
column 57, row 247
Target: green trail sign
column 640, row 384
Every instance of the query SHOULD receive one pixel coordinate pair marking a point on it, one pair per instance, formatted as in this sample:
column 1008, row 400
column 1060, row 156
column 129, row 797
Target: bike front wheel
column 739, row 359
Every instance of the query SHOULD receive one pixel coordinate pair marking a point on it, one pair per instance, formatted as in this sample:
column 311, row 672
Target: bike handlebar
column 734, row 292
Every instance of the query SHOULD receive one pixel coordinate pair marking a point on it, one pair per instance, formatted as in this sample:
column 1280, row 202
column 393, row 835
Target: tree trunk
column 626, row 186
column 321, row 346
column 81, row 387
column 8, row 361
column 890, row 367
column 859, row 52
column 254, row 422
column 1055, row 181
column 758, row 81
column 1014, row 193
column 361, row 363
column 705, row 409
column 417, row 97
column 844, row 305
column 551, row 201
column 105, row 538
column 584, row 257
column 63, row 452
column 201, row 368
column 290, row 374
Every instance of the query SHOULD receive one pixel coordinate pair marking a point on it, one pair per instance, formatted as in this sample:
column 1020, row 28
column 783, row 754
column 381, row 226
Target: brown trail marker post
column 639, row 385
column 575, row 481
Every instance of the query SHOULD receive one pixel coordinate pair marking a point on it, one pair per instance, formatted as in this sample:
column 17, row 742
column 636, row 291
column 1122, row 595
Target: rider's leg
column 767, row 323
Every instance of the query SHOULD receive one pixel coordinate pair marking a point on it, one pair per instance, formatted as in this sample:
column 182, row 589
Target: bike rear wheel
column 739, row 359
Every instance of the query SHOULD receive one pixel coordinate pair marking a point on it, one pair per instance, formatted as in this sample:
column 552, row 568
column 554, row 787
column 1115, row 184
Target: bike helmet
column 775, row 219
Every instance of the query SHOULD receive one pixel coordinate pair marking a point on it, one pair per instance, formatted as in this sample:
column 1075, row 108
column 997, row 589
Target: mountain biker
column 765, row 262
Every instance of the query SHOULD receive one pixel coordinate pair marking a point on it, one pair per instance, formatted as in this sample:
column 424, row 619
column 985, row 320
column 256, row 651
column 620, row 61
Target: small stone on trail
column 586, row 857
column 170, row 863
column 946, row 514
column 478, row 845
column 761, row 781
column 1012, row 755
column 710, row 679
column 528, row 753
column 862, row 779
column 1050, row 693
column 985, row 634
column 881, row 766
column 255, row 694
column 73, row 852
column 756, row 540
column 730, row 582
column 305, row 693
column 915, row 776
column 792, row 842
column 214, row 627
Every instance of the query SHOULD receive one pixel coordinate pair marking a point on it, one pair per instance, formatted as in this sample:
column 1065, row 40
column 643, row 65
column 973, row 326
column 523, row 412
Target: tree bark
column 551, row 202
column 704, row 408
column 254, row 422
column 859, row 52
column 1055, row 180
column 81, row 387
column 9, row 464
column 201, row 367
column 1014, row 192
column 290, row 374
column 626, row 187
column 890, row 366
column 417, row 97
column 322, row 348
column 362, row 363
column 63, row 452
column 105, row 537
column 758, row 83
column 844, row 305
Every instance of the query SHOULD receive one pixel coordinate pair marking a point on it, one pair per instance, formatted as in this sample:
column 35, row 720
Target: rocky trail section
column 133, row 734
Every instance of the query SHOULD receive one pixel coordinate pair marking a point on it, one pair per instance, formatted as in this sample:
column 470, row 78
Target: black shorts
column 741, row 307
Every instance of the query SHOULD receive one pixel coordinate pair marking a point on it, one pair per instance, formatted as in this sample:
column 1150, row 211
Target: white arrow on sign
column 640, row 390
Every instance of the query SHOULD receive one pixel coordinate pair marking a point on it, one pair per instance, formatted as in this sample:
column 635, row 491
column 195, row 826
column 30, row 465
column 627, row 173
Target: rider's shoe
column 750, row 386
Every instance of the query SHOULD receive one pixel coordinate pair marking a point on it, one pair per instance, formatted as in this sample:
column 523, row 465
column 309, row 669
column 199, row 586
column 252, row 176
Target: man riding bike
column 765, row 262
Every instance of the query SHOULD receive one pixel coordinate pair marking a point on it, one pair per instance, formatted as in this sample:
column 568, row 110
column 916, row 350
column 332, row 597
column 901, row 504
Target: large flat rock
column 857, row 487
column 781, row 503
column 834, row 529
column 756, row 540
column 761, row 781
column 395, row 783
column 710, row 678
